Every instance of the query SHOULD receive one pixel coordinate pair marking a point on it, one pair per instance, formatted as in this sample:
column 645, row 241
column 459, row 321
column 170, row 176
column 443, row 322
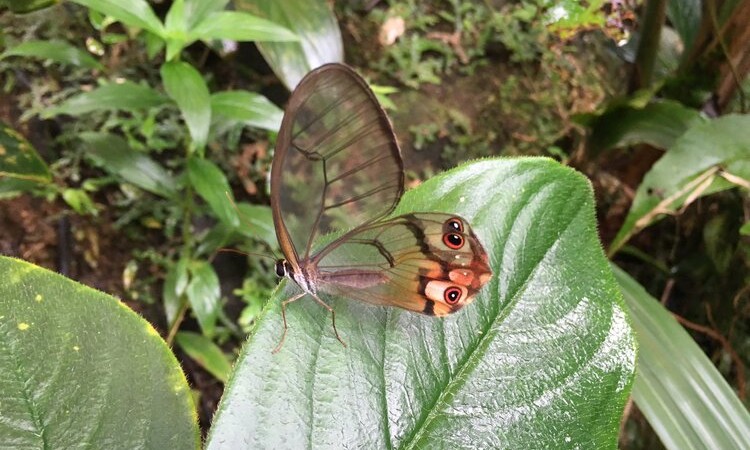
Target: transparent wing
column 414, row 261
column 337, row 163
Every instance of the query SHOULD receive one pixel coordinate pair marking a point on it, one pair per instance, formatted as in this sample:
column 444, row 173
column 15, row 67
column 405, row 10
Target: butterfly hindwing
column 431, row 263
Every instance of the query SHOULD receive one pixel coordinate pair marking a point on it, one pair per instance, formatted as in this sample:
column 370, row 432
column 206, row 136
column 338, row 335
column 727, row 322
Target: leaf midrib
column 474, row 354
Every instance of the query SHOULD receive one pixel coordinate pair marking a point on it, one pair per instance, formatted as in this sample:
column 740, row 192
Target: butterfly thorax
column 301, row 277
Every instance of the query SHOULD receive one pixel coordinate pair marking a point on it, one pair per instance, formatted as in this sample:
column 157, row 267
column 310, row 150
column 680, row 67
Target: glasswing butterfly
column 337, row 168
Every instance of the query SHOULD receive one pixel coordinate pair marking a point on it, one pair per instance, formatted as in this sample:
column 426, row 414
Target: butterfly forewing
column 337, row 164
column 416, row 261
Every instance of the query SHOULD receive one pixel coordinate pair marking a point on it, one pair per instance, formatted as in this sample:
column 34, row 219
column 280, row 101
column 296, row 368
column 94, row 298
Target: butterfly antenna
column 232, row 250
column 249, row 225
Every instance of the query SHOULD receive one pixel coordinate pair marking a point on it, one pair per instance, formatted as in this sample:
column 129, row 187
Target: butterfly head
column 283, row 268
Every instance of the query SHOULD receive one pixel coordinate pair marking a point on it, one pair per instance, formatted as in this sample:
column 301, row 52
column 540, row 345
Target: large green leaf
column 188, row 89
column 315, row 25
column 133, row 13
column 543, row 358
column 115, row 155
column 203, row 293
column 127, row 96
column 57, row 51
column 19, row 159
column 79, row 368
column 240, row 26
column 658, row 124
column 248, row 108
column 694, row 166
column 677, row 387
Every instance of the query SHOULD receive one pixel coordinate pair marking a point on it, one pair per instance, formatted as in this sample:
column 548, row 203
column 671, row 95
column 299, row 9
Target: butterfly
column 337, row 168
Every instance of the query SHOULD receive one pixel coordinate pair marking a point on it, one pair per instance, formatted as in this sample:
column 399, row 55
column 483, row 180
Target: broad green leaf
column 257, row 223
column 175, row 29
column 115, row 155
column 19, row 159
column 248, row 108
column 80, row 367
column 203, row 293
column 26, row 6
column 658, row 124
column 133, row 13
column 197, row 10
column 206, row 353
column 127, row 96
column 188, row 89
column 543, row 357
column 314, row 24
column 240, row 26
column 692, row 167
column 685, row 17
column 678, row 389
column 211, row 184
column 57, row 51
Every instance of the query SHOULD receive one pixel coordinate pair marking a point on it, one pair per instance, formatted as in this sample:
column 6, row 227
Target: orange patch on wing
column 463, row 277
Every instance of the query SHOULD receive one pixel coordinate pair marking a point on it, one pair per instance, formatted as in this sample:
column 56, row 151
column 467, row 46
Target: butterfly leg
column 283, row 316
column 333, row 317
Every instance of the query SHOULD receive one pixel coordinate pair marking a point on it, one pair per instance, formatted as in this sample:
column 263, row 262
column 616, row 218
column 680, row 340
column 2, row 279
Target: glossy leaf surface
column 80, row 367
column 203, row 292
column 678, row 389
column 545, row 354
column 692, row 167
column 240, row 26
column 18, row 159
column 314, row 24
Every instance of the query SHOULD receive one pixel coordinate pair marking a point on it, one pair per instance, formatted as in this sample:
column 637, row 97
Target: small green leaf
column 315, row 25
column 79, row 366
column 203, row 293
column 80, row 201
column 188, row 89
column 678, row 389
column 692, row 166
column 127, row 96
column 115, row 155
column 175, row 284
column 248, row 108
column 543, row 358
column 57, row 51
column 133, row 13
column 211, row 184
column 240, row 26
column 658, row 124
column 205, row 353
column 745, row 229
column 18, row 159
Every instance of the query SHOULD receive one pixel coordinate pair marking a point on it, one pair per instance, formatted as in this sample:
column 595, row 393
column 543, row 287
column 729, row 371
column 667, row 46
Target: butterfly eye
column 455, row 225
column 453, row 240
column 452, row 295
